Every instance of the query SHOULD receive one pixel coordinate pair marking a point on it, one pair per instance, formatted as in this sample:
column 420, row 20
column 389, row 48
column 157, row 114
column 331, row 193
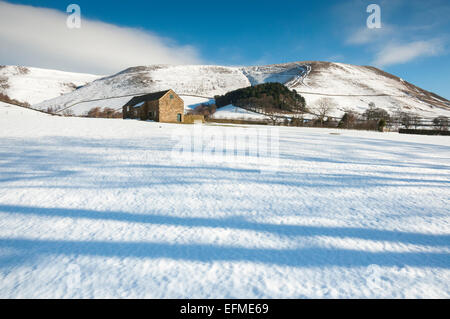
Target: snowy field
column 231, row 112
column 100, row 208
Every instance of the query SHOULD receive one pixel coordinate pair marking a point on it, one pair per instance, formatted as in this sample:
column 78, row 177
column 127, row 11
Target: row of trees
column 5, row 98
column 373, row 118
column 95, row 112
column 442, row 123
column 107, row 112
column 294, row 110
column 264, row 98
column 207, row 110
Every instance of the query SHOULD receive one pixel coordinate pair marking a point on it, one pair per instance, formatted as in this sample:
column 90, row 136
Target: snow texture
column 97, row 208
column 232, row 112
column 34, row 85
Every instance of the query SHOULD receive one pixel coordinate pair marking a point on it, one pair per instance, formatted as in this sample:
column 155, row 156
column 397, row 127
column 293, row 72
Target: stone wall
column 170, row 105
column 191, row 118
column 166, row 109
column 150, row 106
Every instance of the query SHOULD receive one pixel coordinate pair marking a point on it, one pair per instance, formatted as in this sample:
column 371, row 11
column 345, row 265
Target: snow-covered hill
column 196, row 84
column 29, row 86
column 354, row 87
column 350, row 86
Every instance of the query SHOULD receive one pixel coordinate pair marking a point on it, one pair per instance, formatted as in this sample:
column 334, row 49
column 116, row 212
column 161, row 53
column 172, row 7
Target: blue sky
column 413, row 42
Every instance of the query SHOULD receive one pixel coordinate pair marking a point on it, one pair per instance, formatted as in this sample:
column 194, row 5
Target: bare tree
column 94, row 112
column 323, row 107
column 373, row 113
column 107, row 112
column 68, row 113
column 272, row 114
column 396, row 118
column 299, row 109
column 406, row 119
column 441, row 123
column 348, row 120
column 416, row 121
column 267, row 105
column 409, row 120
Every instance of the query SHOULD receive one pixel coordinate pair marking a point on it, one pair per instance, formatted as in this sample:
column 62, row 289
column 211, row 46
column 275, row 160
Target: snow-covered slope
column 198, row 82
column 32, row 85
column 14, row 112
column 102, row 208
column 352, row 87
column 231, row 112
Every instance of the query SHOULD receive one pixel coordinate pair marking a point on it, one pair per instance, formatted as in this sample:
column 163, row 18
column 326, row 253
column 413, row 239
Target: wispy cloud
column 403, row 53
column 365, row 35
column 39, row 37
column 410, row 30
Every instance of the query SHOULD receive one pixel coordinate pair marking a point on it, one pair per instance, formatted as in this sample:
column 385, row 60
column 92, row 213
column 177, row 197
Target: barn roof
column 147, row 97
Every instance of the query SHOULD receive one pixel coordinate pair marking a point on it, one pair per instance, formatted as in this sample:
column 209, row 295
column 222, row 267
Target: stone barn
column 165, row 106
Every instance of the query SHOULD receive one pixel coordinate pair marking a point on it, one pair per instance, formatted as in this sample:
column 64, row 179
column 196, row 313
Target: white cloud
column 39, row 37
column 366, row 35
column 410, row 30
column 403, row 53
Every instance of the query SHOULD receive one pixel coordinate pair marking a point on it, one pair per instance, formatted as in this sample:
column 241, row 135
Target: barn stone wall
column 170, row 105
column 150, row 106
column 166, row 109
